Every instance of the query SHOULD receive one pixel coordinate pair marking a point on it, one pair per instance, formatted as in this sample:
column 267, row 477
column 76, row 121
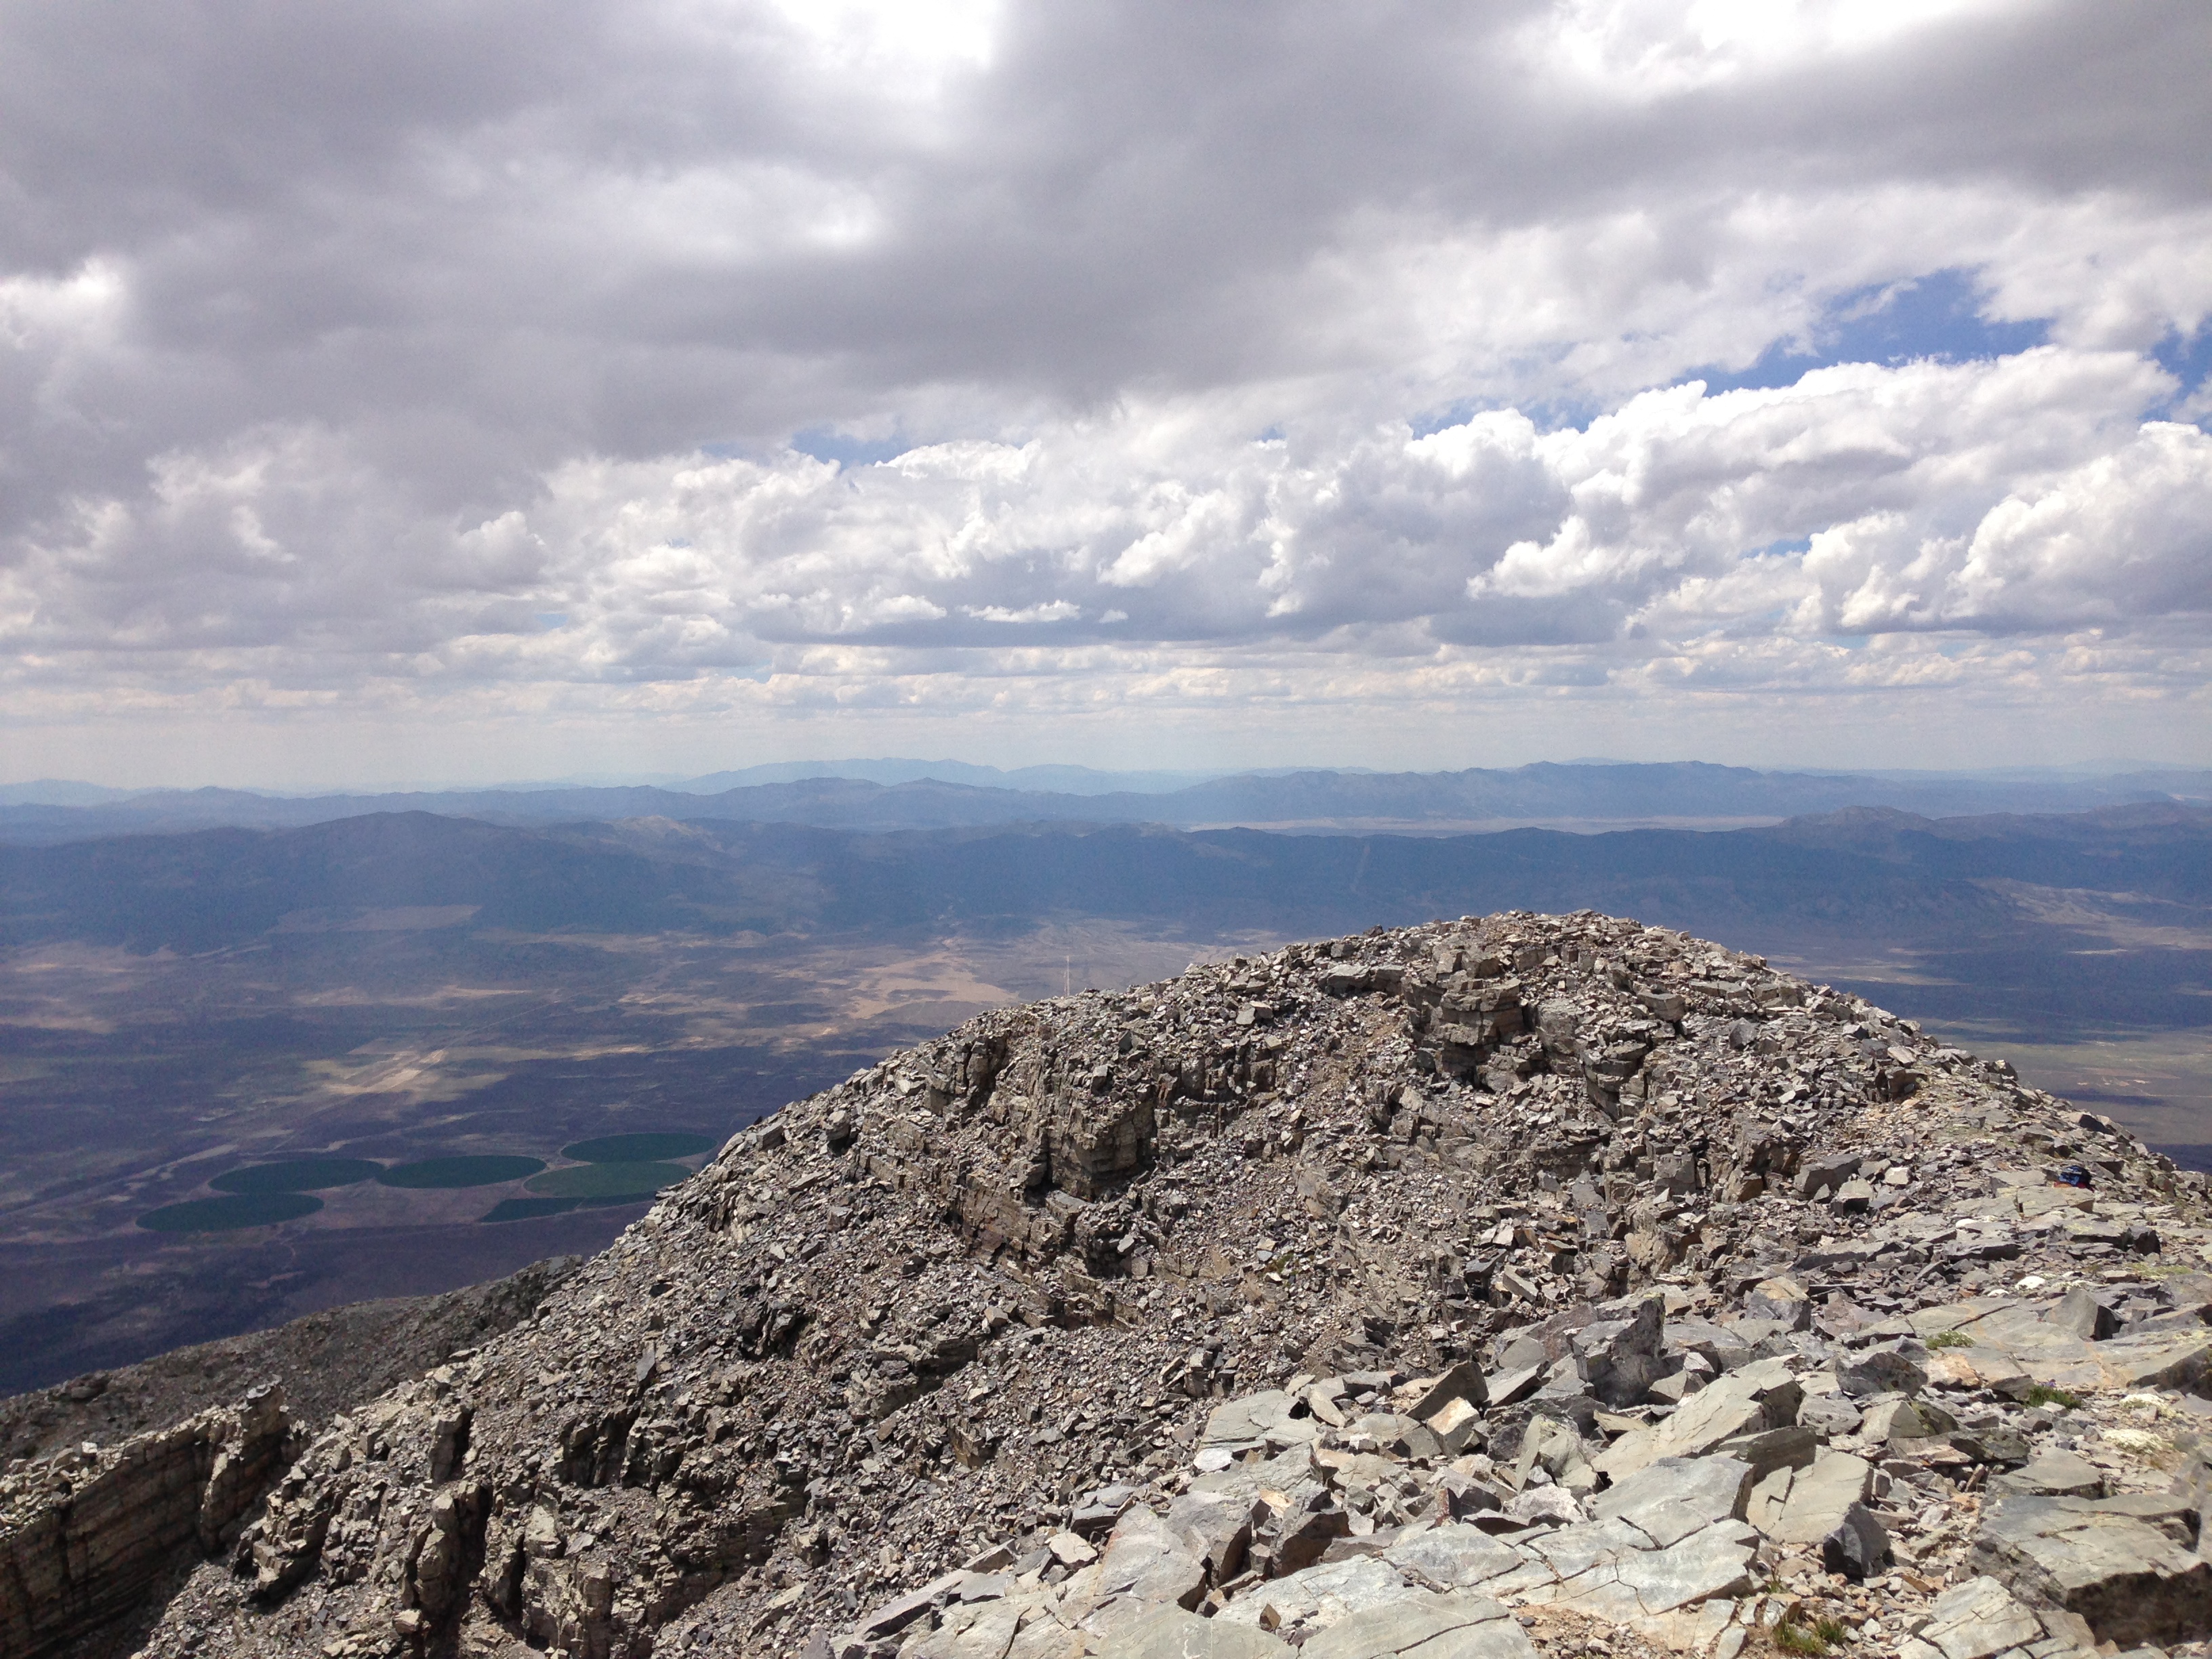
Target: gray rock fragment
column 1857, row 1547
column 2054, row 1474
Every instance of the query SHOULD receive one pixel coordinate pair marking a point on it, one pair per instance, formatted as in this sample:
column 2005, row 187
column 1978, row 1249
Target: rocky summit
column 1521, row 1284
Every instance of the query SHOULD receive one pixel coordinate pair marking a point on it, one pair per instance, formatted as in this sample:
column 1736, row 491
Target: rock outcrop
column 1515, row 1284
column 84, row 1536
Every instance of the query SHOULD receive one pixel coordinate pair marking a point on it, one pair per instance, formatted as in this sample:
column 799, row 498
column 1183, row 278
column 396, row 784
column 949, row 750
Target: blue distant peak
column 1938, row 315
column 846, row 450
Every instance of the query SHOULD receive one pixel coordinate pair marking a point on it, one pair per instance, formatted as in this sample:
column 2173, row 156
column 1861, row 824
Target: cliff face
column 118, row 1479
column 1041, row 1281
column 85, row 1535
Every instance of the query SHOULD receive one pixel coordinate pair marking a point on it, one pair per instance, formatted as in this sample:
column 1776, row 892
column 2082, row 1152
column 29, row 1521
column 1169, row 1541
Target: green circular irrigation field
column 481, row 1170
column 223, row 1215
column 642, row 1148
column 299, row 1174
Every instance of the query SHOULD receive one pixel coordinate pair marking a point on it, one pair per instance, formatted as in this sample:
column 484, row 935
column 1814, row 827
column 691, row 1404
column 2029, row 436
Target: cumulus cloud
column 1335, row 355
column 2020, row 493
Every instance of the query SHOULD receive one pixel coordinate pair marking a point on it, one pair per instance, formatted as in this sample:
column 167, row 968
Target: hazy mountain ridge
column 1546, row 792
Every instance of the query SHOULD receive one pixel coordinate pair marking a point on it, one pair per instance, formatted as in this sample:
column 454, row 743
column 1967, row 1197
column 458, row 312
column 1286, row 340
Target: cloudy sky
column 484, row 390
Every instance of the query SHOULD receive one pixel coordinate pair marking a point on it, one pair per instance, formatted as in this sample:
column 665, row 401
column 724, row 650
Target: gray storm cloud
column 478, row 344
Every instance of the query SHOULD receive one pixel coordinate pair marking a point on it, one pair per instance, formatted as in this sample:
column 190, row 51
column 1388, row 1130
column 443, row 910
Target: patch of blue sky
column 842, row 448
column 1562, row 413
column 1787, row 547
column 2188, row 358
column 1546, row 414
column 1938, row 315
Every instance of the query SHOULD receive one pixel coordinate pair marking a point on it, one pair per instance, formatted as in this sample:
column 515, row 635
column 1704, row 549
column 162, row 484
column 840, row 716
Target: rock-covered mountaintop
column 1520, row 1280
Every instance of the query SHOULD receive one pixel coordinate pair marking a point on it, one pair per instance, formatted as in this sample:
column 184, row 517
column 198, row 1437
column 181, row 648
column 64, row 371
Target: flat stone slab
column 985, row 1631
column 1431, row 1626
column 1453, row 1557
column 1171, row 1633
column 1803, row 1506
column 1662, row 1496
column 2175, row 1359
column 1757, row 1397
column 1974, row 1620
column 2054, row 1474
column 2105, row 1559
column 1258, row 1420
column 2016, row 1329
column 1318, row 1597
column 1978, row 1366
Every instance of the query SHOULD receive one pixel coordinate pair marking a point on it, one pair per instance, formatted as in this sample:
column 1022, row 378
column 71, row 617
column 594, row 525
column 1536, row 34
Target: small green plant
column 1830, row 1631
column 1796, row 1639
column 1950, row 1339
column 2041, row 1395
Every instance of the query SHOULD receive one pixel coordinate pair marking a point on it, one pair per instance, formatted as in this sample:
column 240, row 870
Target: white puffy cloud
column 2022, row 493
column 1343, row 359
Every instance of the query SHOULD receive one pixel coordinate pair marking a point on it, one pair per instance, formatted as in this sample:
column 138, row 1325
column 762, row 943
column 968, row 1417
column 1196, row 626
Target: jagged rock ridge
column 1348, row 1248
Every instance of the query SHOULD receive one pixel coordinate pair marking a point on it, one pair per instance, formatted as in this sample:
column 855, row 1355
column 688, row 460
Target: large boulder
column 1620, row 1359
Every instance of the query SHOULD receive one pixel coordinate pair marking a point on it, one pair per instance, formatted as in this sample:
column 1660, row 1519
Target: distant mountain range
column 1056, row 779
column 1580, row 796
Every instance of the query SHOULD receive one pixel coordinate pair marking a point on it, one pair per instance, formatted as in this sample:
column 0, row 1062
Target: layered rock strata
column 84, row 1536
